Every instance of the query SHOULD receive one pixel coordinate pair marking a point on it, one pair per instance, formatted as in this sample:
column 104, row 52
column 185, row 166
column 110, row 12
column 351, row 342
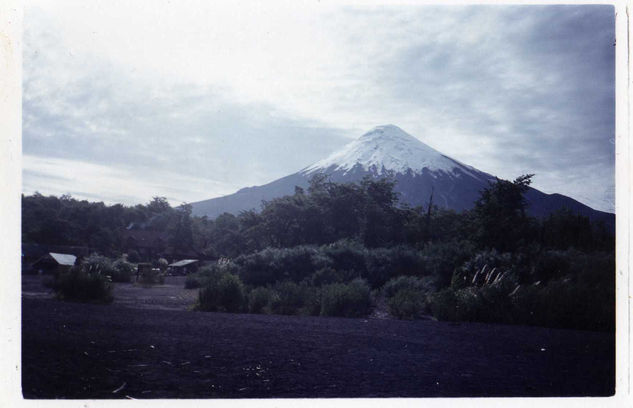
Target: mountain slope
column 418, row 169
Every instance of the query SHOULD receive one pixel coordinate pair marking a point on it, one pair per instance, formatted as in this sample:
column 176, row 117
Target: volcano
column 418, row 170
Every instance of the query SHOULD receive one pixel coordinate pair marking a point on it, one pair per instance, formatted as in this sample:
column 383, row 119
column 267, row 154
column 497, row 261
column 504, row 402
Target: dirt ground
column 147, row 344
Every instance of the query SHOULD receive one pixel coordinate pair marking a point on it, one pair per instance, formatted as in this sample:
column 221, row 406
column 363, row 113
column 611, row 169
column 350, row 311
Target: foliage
column 385, row 263
column 347, row 300
column 152, row 276
column 83, row 283
column 406, row 296
column 260, row 300
column 223, row 292
column 346, row 255
column 426, row 284
column 98, row 264
column 292, row 299
column 122, row 270
column 351, row 217
column 328, row 275
column 276, row 264
column 499, row 214
column 483, row 268
column 582, row 299
column 322, row 249
column 442, row 258
column 407, row 303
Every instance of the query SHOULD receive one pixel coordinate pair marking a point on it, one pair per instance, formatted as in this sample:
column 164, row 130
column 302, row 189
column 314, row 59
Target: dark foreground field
column 140, row 351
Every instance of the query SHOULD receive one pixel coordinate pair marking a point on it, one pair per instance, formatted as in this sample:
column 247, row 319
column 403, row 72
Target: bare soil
column 147, row 344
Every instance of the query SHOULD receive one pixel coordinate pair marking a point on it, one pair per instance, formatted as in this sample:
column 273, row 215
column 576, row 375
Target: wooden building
column 54, row 263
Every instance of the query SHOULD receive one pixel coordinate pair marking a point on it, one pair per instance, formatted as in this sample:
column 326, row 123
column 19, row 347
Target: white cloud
column 194, row 83
column 114, row 184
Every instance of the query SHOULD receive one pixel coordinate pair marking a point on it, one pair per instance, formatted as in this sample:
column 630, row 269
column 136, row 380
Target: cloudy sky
column 193, row 100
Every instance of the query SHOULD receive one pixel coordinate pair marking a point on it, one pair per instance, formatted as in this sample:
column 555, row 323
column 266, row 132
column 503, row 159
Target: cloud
column 243, row 94
column 79, row 110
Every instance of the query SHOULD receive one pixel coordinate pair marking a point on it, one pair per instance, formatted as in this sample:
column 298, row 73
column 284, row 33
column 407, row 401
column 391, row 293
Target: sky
column 123, row 101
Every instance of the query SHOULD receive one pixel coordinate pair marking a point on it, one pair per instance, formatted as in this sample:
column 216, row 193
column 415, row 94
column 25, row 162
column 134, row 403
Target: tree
column 181, row 236
column 158, row 205
column 499, row 214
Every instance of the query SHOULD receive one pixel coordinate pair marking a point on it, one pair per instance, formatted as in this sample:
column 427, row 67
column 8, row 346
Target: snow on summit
column 387, row 148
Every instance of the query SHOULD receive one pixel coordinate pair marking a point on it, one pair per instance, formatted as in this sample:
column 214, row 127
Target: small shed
column 183, row 267
column 53, row 262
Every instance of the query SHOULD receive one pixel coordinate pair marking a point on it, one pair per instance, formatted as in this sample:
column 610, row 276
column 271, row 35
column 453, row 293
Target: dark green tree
column 499, row 214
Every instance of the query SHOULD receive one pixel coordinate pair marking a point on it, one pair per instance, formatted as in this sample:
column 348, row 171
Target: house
column 33, row 252
column 53, row 263
column 183, row 267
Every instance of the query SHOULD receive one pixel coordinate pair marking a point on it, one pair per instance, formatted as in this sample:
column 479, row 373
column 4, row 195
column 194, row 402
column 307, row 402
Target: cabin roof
column 184, row 262
column 63, row 259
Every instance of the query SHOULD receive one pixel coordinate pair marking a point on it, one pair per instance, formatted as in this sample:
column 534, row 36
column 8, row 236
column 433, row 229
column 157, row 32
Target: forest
column 342, row 249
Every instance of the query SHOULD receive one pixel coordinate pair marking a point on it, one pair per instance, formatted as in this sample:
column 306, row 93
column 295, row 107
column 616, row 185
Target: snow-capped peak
column 387, row 148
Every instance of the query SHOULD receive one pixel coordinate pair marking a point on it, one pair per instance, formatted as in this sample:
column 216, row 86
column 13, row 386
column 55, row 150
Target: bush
column 551, row 265
column 194, row 281
column 260, row 299
column 426, row 285
column 567, row 303
column 386, row 263
column 407, row 303
column 288, row 299
column 348, row 300
column 152, row 276
column 483, row 268
column 328, row 275
column 584, row 299
column 273, row 265
column 223, row 292
column 346, row 255
column 98, row 264
column 443, row 258
column 204, row 274
column 162, row 264
column 407, row 295
column 83, row 284
column 122, row 271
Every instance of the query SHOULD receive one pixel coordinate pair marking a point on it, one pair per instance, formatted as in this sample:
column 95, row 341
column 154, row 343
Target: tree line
column 367, row 212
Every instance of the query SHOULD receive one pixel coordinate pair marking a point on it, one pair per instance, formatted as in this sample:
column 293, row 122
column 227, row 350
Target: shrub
column 289, row 298
column 122, row 271
column 194, row 281
column 566, row 303
column 273, row 265
column 407, row 295
column 162, row 264
column 407, row 303
column 328, row 275
column 442, row 258
column 426, row 285
column 260, row 299
column 484, row 268
column 551, row 265
column 584, row 299
column 98, row 264
column 348, row 300
column 223, row 292
column 152, row 276
column 83, row 284
column 346, row 255
column 386, row 263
